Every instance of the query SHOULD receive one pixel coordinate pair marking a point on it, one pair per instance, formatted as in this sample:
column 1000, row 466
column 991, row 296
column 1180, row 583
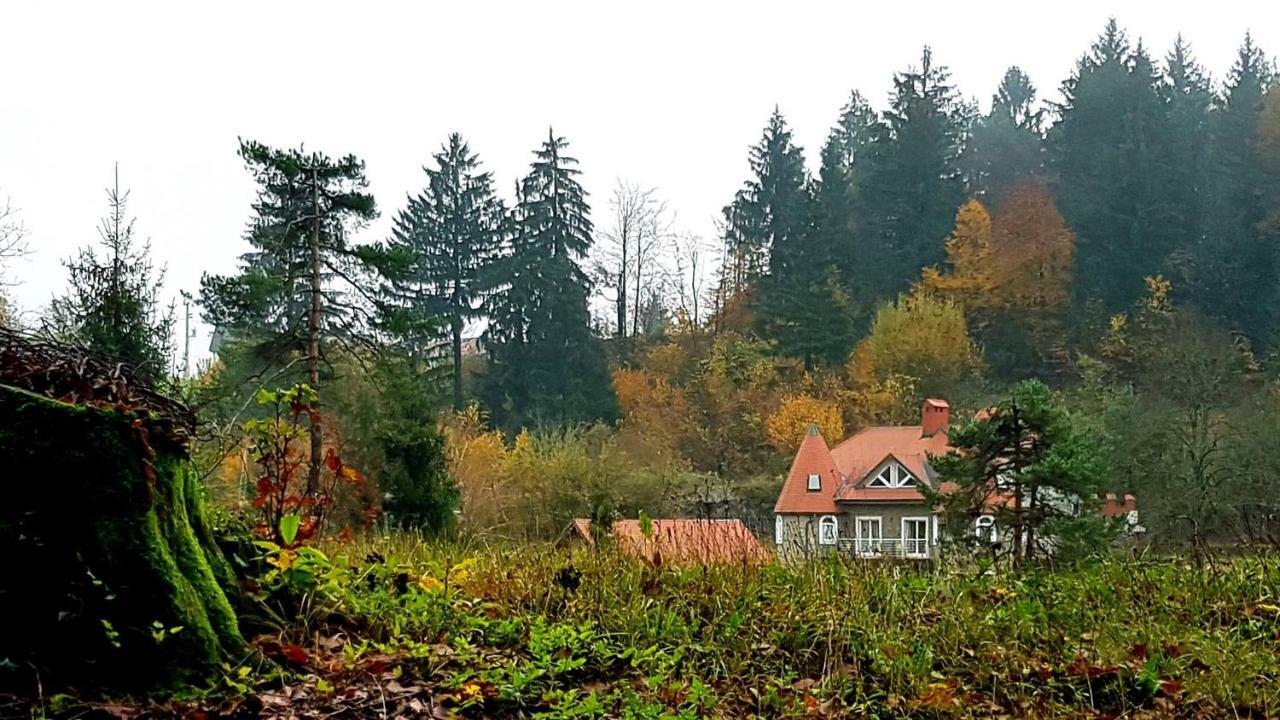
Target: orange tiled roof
column 684, row 540
column 813, row 457
column 861, row 454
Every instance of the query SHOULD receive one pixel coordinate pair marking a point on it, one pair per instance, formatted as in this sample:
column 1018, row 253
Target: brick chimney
column 934, row 416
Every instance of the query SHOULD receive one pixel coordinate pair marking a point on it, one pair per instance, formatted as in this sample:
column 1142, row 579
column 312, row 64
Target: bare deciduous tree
column 627, row 261
column 13, row 244
column 693, row 258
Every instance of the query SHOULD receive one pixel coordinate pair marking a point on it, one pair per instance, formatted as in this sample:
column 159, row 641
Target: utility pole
column 186, row 333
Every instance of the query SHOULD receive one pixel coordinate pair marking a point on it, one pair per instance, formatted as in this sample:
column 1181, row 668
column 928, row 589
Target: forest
column 391, row 431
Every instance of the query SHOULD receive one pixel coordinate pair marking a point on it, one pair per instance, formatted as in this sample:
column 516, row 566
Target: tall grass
column 851, row 637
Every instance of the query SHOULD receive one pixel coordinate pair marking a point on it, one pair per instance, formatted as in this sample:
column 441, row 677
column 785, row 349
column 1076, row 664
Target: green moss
column 110, row 581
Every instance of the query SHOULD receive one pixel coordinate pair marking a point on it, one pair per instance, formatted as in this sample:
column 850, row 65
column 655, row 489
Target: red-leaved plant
column 285, row 495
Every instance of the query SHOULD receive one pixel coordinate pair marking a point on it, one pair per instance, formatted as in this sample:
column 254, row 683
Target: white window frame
column 828, row 521
column 891, row 476
column 921, row 546
column 984, row 528
column 815, row 482
column 868, row 545
column 779, row 529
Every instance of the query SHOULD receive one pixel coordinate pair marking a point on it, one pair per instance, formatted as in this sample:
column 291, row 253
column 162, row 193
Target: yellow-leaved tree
column 969, row 253
column 477, row 460
column 787, row 425
column 923, row 337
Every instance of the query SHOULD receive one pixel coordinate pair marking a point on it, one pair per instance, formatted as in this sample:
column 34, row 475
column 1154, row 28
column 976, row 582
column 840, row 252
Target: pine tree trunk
column 457, row 363
column 313, row 341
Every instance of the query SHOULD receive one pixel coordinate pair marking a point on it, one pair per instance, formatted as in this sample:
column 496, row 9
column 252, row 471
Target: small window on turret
column 815, row 481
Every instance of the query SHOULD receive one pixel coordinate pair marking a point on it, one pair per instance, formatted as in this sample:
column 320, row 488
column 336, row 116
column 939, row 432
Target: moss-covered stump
column 109, row 576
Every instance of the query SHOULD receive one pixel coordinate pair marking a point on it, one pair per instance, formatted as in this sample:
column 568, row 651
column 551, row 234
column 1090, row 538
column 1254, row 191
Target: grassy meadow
column 399, row 625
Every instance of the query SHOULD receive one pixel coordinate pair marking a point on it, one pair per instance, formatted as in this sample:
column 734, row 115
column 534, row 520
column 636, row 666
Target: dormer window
column 815, row 481
column 892, row 475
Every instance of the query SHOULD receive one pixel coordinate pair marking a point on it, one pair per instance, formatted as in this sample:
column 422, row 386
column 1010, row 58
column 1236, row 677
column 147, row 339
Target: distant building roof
column 843, row 470
column 681, row 541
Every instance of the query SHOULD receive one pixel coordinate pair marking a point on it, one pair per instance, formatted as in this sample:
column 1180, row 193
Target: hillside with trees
column 395, row 434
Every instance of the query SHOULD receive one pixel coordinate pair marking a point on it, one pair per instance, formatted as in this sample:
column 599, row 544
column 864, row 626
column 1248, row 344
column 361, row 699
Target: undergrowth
column 551, row 633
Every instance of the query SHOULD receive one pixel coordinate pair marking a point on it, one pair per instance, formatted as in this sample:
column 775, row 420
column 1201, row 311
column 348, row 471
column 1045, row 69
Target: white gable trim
column 890, row 473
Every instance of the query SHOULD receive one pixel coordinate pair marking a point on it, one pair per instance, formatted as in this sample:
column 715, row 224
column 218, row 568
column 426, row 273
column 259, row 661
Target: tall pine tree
column 1188, row 99
column 294, row 292
column 846, row 162
column 545, row 364
column 1237, row 281
column 113, row 306
column 1104, row 151
column 439, row 246
column 801, row 306
column 915, row 184
column 1006, row 147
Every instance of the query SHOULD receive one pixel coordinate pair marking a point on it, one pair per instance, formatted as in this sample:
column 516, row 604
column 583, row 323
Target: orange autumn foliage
column 1034, row 251
column 656, row 416
column 1021, row 258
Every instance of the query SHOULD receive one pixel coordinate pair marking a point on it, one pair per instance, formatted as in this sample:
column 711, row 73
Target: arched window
column 827, row 530
column 778, row 529
column 984, row 527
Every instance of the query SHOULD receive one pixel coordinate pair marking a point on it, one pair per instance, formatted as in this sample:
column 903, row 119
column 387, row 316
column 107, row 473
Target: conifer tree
column 969, row 253
column 113, row 306
column 1237, row 279
column 772, row 210
column 915, row 185
column 545, row 364
column 294, row 292
column 1006, row 146
column 1110, row 176
column 846, row 161
column 439, row 246
column 1188, row 99
column 1029, row 465
column 801, row 304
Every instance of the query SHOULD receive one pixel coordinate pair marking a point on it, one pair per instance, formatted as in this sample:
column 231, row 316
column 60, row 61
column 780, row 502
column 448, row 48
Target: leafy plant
column 287, row 497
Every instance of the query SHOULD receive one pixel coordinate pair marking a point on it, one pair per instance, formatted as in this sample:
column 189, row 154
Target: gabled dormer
column 890, row 474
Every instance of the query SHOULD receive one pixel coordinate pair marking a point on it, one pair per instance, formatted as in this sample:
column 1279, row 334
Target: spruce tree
column 801, row 305
column 1110, row 176
column 1006, row 147
column 1237, row 281
column 1188, row 99
column 915, row 185
column 545, row 364
column 846, row 161
column 113, row 306
column 439, row 246
column 301, row 287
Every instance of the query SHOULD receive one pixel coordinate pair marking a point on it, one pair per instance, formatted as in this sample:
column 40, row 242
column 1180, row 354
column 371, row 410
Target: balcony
column 911, row 548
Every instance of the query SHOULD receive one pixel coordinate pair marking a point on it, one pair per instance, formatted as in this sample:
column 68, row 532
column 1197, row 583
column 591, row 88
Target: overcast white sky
column 665, row 93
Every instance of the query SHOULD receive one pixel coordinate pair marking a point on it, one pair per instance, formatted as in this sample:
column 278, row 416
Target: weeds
column 491, row 631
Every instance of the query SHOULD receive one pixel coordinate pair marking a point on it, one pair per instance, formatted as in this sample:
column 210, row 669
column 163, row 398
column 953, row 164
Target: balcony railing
column 886, row 547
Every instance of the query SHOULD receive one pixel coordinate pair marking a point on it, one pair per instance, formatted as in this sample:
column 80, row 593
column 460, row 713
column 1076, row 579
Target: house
column 677, row 541
column 863, row 495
